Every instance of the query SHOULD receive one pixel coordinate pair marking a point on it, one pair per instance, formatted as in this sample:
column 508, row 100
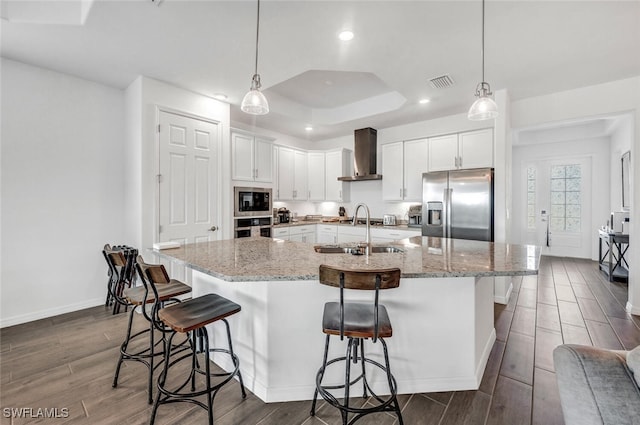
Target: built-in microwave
column 252, row 201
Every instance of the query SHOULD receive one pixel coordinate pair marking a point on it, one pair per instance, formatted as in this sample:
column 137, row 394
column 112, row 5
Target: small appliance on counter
column 389, row 220
column 342, row 212
column 284, row 215
column 619, row 221
column 415, row 216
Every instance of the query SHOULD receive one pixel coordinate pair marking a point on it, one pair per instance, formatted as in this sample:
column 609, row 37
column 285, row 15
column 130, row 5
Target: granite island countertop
column 266, row 259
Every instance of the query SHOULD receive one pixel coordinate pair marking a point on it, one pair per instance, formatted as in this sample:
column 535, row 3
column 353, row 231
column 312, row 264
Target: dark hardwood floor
column 67, row 362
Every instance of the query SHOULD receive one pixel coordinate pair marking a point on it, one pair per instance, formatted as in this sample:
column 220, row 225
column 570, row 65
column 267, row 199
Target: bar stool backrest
column 359, row 279
column 117, row 264
column 152, row 275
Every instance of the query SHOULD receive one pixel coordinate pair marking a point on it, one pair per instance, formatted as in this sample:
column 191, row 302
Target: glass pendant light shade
column 484, row 108
column 254, row 102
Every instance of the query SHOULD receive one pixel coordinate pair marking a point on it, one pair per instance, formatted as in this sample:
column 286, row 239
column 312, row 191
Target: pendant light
column 484, row 108
column 254, row 102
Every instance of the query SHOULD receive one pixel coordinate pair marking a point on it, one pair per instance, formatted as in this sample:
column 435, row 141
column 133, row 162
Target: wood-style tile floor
column 68, row 362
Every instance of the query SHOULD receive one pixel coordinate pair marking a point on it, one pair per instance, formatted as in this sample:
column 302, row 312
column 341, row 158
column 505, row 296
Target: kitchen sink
column 354, row 250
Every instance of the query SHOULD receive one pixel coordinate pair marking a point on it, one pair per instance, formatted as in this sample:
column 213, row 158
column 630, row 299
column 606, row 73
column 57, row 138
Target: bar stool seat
column 357, row 321
column 192, row 316
column 138, row 295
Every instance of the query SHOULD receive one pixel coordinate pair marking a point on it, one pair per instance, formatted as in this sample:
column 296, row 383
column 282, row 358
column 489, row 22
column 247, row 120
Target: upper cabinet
column 292, row 174
column 402, row 166
column 476, row 148
column 392, row 175
column 316, row 176
column 415, row 163
column 336, row 165
column 473, row 149
column 252, row 158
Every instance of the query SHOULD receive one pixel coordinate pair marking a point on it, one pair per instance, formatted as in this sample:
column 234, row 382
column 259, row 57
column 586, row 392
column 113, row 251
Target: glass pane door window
column 566, row 184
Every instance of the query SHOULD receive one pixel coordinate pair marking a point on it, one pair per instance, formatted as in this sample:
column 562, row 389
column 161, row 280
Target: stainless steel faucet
column 368, row 235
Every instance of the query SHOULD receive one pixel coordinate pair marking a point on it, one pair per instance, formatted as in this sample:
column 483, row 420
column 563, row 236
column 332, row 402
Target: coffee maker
column 415, row 216
column 283, row 215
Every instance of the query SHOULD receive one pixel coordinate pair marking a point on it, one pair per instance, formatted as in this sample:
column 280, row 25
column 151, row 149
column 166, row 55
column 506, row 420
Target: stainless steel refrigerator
column 458, row 204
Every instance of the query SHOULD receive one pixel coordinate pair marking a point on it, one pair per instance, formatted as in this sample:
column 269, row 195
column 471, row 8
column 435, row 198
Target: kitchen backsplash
column 369, row 192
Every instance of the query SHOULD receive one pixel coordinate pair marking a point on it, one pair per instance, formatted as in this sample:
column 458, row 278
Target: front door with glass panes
column 559, row 206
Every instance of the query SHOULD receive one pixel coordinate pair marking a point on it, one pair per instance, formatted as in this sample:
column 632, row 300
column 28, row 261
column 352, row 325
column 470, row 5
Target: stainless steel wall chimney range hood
column 364, row 156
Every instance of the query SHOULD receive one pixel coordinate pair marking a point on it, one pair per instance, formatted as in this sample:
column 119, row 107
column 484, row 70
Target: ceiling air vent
column 441, row 82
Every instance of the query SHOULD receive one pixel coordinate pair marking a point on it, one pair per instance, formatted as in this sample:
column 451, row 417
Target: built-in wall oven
column 254, row 226
column 252, row 201
column 252, row 213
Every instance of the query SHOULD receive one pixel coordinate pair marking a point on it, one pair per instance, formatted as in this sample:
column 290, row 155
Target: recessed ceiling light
column 308, row 128
column 345, row 35
column 423, row 101
column 220, row 96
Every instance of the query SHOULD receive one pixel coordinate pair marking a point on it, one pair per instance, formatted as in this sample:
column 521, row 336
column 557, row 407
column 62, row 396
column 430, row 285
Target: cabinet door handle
column 256, row 173
column 460, row 162
column 401, row 192
column 340, row 194
column 309, row 195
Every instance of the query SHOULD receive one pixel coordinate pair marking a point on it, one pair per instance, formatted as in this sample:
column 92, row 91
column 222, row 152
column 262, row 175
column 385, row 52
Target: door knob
column 213, row 228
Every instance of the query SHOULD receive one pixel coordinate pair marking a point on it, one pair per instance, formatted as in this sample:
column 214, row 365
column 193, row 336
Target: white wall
column 597, row 149
column 62, row 190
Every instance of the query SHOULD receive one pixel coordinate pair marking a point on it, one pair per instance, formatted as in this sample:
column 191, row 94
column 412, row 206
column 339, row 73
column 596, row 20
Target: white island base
column 443, row 333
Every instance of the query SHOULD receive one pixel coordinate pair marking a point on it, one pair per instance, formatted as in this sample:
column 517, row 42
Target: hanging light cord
column 481, row 50
column 257, row 37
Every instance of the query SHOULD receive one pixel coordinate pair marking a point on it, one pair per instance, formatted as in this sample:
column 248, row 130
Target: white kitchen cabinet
column 387, row 234
column 252, row 158
column 304, row 233
column 351, row 234
column 414, row 163
column 327, row 234
column 392, row 175
column 443, row 152
column 316, row 176
column 285, row 161
column 292, row 175
column 299, row 175
column 402, row 166
column 337, row 164
column 280, row 233
column 472, row 149
column 476, row 149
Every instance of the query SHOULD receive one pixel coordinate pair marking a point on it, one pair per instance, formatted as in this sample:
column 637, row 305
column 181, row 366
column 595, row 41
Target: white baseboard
column 43, row 314
column 504, row 300
column 632, row 310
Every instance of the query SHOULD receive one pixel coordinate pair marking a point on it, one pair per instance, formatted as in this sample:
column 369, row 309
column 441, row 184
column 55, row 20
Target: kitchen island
column 442, row 313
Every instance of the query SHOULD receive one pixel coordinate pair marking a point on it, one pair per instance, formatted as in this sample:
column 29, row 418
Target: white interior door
column 188, row 183
column 558, row 205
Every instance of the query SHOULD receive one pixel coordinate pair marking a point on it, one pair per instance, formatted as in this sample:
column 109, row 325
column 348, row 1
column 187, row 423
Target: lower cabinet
column 280, row 233
column 390, row 235
column 327, row 234
column 306, row 233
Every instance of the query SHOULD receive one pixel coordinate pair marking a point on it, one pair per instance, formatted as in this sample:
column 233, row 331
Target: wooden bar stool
column 357, row 321
column 138, row 297
column 190, row 317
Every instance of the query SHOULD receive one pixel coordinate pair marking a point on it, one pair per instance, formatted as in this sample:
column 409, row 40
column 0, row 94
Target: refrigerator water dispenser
column 434, row 213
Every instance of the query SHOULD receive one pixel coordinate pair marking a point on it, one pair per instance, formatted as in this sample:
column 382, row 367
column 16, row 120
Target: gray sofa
column 598, row 386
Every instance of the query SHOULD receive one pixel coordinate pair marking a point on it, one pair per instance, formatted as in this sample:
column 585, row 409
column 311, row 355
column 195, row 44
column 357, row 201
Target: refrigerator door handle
column 446, row 213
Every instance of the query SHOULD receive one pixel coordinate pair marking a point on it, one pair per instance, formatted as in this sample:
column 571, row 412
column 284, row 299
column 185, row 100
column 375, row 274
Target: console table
column 611, row 261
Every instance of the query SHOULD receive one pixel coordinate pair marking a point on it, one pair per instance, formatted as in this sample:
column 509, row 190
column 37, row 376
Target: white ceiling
column 312, row 78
